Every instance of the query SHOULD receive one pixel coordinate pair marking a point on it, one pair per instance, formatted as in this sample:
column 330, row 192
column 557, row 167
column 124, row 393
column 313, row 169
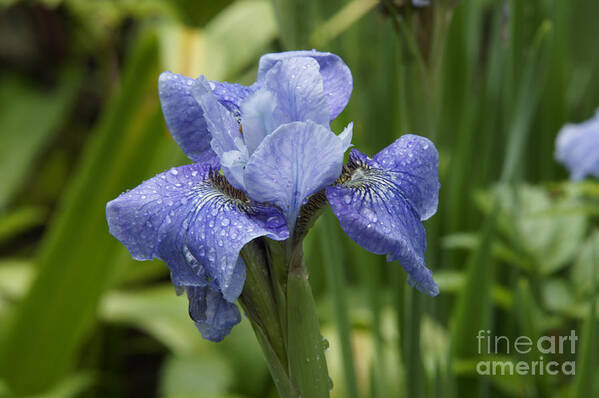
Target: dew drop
column 174, row 172
column 325, row 344
column 369, row 214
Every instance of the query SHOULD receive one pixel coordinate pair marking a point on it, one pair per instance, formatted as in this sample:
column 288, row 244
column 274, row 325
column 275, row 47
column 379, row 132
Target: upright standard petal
column 183, row 115
column 195, row 222
column 298, row 87
column 336, row 76
column 230, row 95
column 295, row 161
column 577, row 148
column 212, row 314
column 292, row 91
column 377, row 206
column 226, row 141
column 257, row 118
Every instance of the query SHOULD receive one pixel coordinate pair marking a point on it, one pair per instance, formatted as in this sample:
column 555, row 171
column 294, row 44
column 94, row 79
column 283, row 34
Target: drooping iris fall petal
column 380, row 203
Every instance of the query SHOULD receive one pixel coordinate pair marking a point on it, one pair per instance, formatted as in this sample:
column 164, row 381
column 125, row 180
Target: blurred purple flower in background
column 577, row 148
column 421, row 3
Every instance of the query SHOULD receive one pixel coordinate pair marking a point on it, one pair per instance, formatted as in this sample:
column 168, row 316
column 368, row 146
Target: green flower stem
column 307, row 362
column 258, row 299
column 277, row 369
column 278, row 267
column 277, row 299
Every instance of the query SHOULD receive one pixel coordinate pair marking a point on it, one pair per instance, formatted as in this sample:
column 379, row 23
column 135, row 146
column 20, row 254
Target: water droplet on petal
column 369, row 214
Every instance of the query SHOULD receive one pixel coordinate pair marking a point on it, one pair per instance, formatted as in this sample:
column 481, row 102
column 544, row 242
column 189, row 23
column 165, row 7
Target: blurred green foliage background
column 514, row 246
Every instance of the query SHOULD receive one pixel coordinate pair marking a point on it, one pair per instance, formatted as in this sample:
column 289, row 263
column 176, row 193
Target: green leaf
column 296, row 20
column 15, row 277
column 307, row 362
column 77, row 258
column 20, row 220
column 224, row 47
column 29, row 116
column 336, row 281
column 540, row 226
column 159, row 312
column 585, row 385
column 73, row 386
column 195, row 375
column 585, row 267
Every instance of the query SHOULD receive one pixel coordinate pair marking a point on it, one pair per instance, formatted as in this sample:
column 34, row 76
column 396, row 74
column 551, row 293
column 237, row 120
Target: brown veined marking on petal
column 228, row 194
column 367, row 182
column 309, row 213
column 348, row 170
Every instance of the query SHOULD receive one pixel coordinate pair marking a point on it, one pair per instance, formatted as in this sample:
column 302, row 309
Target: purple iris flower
column 260, row 152
column 577, row 148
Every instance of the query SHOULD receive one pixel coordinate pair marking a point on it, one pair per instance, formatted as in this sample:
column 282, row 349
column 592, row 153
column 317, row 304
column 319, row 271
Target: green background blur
column 513, row 246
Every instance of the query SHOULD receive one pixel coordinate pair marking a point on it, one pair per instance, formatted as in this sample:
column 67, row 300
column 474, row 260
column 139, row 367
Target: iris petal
column 295, row 161
column 230, row 95
column 336, row 76
column 183, row 115
column 292, row 91
column 376, row 207
column 257, row 118
column 212, row 314
column 224, row 129
column 577, row 148
column 191, row 220
column 298, row 88
column 416, row 160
